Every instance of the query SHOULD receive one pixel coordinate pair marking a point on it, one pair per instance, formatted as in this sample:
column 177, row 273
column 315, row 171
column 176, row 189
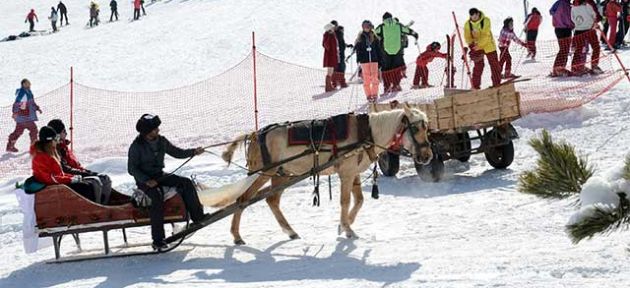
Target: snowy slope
column 471, row 230
column 182, row 42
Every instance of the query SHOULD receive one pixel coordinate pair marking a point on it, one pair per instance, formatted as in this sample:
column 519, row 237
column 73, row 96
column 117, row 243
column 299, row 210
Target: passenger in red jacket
column 531, row 29
column 101, row 183
column 331, row 54
column 46, row 165
column 422, row 72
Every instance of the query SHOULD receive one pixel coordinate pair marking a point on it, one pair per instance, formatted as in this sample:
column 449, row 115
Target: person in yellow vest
column 478, row 36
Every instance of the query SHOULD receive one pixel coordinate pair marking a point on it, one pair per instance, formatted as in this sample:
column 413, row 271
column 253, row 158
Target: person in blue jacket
column 25, row 115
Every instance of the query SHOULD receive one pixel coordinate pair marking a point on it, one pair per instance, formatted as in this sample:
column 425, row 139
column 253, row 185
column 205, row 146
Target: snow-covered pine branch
column 560, row 173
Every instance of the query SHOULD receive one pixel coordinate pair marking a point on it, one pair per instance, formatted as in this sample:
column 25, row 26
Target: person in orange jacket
column 422, row 72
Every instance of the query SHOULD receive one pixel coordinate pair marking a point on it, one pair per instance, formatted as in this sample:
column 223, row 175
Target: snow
column 600, row 191
column 472, row 229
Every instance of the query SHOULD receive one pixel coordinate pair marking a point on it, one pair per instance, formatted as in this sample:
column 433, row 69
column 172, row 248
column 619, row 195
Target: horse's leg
column 274, row 203
column 357, row 194
column 236, row 218
column 346, row 187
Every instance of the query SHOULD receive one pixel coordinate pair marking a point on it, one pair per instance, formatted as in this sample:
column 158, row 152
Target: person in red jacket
column 31, row 17
column 422, row 72
column 69, row 163
column 331, row 54
column 137, row 5
column 46, row 165
column 532, row 24
column 612, row 11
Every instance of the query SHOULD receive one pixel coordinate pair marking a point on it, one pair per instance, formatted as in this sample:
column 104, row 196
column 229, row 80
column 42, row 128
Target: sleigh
column 458, row 120
column 61, row 211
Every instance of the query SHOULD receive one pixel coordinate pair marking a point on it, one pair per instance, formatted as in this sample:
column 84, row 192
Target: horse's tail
column 229, row 152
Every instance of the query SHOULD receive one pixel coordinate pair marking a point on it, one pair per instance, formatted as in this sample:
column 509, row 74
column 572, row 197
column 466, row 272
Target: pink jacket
column 137, row 4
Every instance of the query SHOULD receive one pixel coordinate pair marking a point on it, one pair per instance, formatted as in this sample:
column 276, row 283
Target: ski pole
column 614, row 52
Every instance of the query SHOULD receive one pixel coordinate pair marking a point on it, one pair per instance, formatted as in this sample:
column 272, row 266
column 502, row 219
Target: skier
column 53, row 18
column 24, row 114
column 368, row 50
column 391, row 33
column 339, row 76
column 331, row 55
column 146, row 164
column 47, row 168
column 506, row 37
column 113, row 5
column 94, row 10
column 144, row 13
column 422, row 72
column 63, row 12
column 585, row 20
column 624, row 22
column 612, row 11
column 478, row 35
column 136, row 9
column 531, row 29
column 31, row 17
column 561, row 18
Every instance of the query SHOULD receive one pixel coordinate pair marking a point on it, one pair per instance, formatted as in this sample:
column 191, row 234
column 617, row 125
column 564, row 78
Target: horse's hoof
column 239, row 242
column 351, row 235
column 295, row 237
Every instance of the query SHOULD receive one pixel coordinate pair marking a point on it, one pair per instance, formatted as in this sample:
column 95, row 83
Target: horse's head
column 415, row 139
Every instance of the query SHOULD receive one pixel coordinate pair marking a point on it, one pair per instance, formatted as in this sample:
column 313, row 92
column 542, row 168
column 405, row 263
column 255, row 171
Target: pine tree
column 560, row 172
column 603, row 220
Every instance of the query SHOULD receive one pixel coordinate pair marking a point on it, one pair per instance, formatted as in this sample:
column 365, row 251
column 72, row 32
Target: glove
column 76, row 179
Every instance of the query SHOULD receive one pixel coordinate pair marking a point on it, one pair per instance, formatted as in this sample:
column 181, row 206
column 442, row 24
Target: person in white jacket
column 53, row 18
column 585, row 20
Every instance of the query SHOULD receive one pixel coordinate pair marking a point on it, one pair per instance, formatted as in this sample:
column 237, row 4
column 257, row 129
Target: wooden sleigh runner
column 61, row 211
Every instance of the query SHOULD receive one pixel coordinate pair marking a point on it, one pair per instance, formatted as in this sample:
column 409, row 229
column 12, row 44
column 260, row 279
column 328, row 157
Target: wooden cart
column 458, row 119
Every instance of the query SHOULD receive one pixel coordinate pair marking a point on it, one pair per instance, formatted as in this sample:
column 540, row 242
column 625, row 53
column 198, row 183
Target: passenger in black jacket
column 62, row 10
column 145, row 164
column 113, row 5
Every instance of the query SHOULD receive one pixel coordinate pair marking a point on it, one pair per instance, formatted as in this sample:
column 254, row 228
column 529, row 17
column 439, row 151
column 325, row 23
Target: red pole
column 72, row 108
column 461, row 43
column 615, row 53
column 255, row 84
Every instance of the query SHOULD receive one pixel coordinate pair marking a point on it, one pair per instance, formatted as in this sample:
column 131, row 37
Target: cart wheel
column 500, row 157
column 389, row 163
column 431, row 172
column 463, row 149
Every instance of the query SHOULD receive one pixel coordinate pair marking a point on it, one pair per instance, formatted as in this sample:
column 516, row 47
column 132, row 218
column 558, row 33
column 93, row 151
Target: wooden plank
column 495, row 114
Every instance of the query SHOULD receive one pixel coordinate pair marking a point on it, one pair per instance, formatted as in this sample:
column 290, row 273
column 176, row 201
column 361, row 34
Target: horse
column 407, row 127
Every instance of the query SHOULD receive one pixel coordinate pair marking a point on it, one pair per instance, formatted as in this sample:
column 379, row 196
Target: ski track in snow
column 471, row 230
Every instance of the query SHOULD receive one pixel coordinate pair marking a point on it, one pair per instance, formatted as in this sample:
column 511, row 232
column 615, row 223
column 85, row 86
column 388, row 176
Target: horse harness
column 365, row 141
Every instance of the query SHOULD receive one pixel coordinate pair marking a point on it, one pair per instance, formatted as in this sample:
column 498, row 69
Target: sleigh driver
column 145, row 164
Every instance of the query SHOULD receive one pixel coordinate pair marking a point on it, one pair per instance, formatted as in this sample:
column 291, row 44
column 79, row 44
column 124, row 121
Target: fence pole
column 255, row 83
column 461, row 43
column 72, row 108
column 614, row 52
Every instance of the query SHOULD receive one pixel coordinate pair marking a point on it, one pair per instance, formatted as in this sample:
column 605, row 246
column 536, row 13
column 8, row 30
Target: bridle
column 412, row 128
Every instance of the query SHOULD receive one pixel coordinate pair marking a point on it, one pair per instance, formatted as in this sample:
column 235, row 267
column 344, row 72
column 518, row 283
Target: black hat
column 334, row 22
column 473, row 11
column 147, row 123
column 57, row 125
column 387, row 15
column 47, row 134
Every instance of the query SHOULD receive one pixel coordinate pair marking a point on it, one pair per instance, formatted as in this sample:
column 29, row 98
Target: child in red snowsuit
column 422, row 72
